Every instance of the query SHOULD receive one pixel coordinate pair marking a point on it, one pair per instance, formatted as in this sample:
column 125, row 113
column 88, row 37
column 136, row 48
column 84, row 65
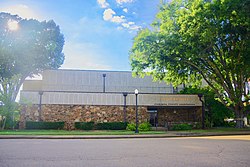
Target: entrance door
column 153, row 117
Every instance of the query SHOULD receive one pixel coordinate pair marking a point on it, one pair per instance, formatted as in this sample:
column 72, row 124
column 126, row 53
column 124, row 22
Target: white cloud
column 109, row 15
column 118, row 19
column 103, row 3
column 124, row 1
column 21, row 10
column 125, row 10
column 126, row 25
column 135, row 27
column 131, row 26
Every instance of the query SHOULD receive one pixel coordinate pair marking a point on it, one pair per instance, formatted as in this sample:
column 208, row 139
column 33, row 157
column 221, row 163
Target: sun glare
column 13, row 25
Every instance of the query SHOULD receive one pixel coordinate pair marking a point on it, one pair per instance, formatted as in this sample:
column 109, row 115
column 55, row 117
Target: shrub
column 198, row 125
column 182, row 127
column 230, row 124
column 146, row 126
column 111, row 126
column 44, row 125
column 84, row 125
column 131, row 127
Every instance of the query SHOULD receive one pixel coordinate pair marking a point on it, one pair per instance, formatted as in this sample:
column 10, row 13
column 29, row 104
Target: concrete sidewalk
column 170, row 134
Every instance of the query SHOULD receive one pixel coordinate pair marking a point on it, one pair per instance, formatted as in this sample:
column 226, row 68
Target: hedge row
column 182, row 127
column 101, row 126
column 78, row 125
column 111, row 126
column 84, row 125
column 44, row 125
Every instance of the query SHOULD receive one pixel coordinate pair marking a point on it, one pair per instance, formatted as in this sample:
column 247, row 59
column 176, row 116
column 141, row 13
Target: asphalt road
column 230, row 151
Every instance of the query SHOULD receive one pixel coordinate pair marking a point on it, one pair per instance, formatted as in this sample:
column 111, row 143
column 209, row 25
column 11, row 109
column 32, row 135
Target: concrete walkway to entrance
column 169, row 134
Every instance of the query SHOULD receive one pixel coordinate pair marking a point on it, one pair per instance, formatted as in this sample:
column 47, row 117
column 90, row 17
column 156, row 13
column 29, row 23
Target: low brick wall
column 78, row 113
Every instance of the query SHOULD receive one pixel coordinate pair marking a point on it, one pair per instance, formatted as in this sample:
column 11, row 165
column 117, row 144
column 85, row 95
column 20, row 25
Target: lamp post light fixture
column 136, row 111
column 203, row 110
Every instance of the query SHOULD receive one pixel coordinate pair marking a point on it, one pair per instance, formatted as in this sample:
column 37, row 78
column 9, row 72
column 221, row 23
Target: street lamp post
column 104, row 76
column 40, row 105
column 124, row 107
column 136, row 111
column 203, row 110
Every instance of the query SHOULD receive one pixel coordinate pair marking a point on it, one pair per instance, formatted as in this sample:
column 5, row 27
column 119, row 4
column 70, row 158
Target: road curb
column 177, row 135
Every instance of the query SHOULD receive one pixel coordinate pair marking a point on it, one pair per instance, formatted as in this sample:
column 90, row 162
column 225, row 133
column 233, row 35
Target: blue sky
column 98, row 33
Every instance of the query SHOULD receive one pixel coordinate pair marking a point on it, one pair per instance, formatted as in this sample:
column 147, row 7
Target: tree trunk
column 239, row 123
column 239, row 117
column 4, row 122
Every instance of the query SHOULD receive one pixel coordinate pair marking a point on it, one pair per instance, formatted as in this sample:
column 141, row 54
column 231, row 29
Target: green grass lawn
column 74, row 132
column 113, row 132
column 219, row 130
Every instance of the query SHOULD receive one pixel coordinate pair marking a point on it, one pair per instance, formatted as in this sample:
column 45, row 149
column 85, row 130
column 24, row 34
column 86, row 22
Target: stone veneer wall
column 79, row 113
column 168, row 116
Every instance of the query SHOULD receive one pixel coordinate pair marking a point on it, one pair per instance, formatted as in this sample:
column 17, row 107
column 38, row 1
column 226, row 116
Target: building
column 104, row 96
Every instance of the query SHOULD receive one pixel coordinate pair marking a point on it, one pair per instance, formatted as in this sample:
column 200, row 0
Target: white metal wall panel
column 110, row 99
column 92, row 81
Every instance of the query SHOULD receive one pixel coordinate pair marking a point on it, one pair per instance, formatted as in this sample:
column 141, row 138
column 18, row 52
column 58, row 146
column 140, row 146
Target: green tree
column 25, row 51
column 193, row 40
column 8, row 112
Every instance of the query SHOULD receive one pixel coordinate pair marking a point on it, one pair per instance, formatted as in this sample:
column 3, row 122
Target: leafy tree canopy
column 193, row 40
column 28, row 49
